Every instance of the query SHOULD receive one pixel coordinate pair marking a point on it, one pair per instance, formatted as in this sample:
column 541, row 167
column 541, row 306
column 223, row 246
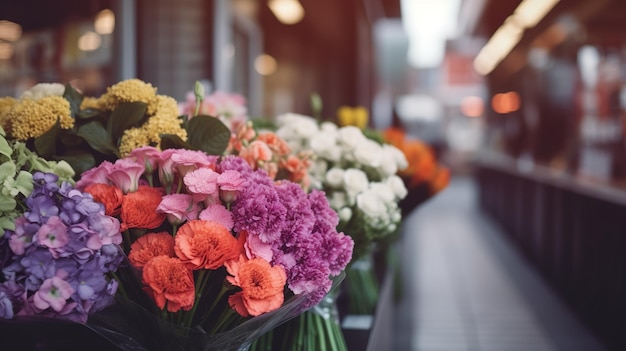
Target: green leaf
column 46, row 144
column 7, row 171
column 70, row 140
column 127, row 115
column 24, row 183
column 5, row 148
column 264, row 124
column 208, row 134
column 97, row 137
column 6, row 223
column 74, row 98
column 79, row 160
column 172, row 141
column 7, row 204
column 88, row 113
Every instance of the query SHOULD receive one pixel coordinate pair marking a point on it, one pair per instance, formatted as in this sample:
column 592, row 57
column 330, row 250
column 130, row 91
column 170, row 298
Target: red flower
column 109, row 195
column 205, row 244
column 149, row 246
column 139, row 208
column 169, row 281
column 262, row 286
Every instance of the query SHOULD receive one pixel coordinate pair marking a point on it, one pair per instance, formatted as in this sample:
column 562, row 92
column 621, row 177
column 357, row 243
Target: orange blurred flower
column 139, row 208
column 205, row 244
column 169, row 282
column 148, row 246
column 276, row 144
column 297, row 169
column 261, row 286
column 441, row 180
column 109, row 195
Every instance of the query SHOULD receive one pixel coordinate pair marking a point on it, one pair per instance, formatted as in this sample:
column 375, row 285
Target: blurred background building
column 529, row 94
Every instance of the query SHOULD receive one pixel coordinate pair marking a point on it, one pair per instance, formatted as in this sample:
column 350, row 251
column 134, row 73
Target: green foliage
column 17, row 164
column 208, row 134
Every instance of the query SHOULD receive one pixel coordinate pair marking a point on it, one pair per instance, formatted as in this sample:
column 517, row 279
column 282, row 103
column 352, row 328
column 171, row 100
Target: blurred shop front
column 553, row 171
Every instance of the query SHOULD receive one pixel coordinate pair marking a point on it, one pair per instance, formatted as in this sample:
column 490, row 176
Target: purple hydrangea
column 10, row 298
column 62, row 250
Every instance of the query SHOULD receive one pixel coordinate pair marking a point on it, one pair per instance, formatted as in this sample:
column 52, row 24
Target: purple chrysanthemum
column 259, row 211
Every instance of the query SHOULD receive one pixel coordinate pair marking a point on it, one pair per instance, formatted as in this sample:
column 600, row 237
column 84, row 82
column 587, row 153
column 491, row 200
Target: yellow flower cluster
column 163, row 112
column 161, row 109
column 93, row 102
column 32, row 118
column 6, row 104
column 127, row 91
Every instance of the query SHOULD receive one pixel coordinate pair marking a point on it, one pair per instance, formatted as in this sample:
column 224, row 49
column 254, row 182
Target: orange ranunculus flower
column 109, row 195
column 261, row 286
column 149, row 246
column 205, row 244
column 170, row 283
column 296, row 167
column 441, row 180
column 394, row 136
column 422, row 163
column 139, row 208
column 256, row 151
column 275, row 143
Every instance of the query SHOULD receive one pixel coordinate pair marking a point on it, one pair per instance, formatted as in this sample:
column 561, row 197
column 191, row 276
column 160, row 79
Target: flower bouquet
column 215, row 242
column 215, row 253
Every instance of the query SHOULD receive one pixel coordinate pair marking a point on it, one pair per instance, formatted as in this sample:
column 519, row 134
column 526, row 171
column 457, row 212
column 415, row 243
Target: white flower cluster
column 358, row 174
column 42, row 90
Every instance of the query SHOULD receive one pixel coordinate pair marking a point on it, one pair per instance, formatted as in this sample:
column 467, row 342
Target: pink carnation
column 230, row 183
column 125, row 174
column 148, row 155
column 96, row 175
column 202, row 181
column 178, row 208
column 218, row 213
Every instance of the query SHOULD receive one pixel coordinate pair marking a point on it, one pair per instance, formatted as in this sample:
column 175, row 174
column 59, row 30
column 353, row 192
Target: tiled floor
column 465, row 288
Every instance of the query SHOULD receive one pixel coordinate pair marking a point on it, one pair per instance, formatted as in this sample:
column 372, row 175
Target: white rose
column 387, row 166
column 355, row 180
column 370, row 204
column 329, row 127
column 369, row 153
column 397, row 186
column 383, row 191
column 319, row 169
column 334, row 154
column 350, row 136
column 334, row 177
column 345, row 214
column 338, row 200
column 396, row 155
column 323, row 145
column 42, row 90
column 295, row 126
column 396, row 216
